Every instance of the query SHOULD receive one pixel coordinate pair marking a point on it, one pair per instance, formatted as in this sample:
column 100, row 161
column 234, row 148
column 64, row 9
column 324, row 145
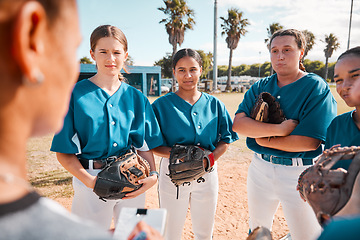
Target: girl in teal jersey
column 344, row 130
column 106, row 118
column 278, row 161
column 190, row 117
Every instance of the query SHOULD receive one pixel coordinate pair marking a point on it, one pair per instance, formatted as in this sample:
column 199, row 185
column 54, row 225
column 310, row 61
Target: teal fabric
column 205, row 123
column 106, row 125
column 308, row 100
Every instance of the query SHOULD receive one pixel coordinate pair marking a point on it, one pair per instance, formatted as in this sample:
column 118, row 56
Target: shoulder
column 316, row 80
column 211, row 99
column 342, row 117
column 132, row 91
column 164, row 99
column 265, row 81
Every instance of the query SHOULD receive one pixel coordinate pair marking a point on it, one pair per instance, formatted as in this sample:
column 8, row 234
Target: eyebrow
column 354, row 70
column 351, row 71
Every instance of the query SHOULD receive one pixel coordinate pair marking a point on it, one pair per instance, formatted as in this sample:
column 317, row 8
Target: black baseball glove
column 186, row 163
column 267, row 109
column 121, row 176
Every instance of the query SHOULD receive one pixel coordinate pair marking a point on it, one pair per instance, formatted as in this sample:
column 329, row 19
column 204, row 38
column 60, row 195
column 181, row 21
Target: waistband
column 96, row 163
column 286, row 161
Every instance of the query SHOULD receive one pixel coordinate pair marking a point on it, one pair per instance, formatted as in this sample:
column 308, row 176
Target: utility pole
column 215, row 48
column 259, row 63
column 351, row 9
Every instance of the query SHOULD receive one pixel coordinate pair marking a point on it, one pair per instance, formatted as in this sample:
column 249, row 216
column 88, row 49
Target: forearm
column 148, row 156
column 220, row 149
column 249, row 127
column 292, row 143
column 71, row 163
column 162, row 151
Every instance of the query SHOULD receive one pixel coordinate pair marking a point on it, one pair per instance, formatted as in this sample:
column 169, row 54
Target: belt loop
column 91, row 165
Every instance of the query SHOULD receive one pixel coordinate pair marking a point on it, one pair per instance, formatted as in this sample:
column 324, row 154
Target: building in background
column 147, row 79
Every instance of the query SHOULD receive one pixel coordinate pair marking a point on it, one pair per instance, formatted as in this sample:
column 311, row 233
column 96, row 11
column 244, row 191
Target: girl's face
column 187, row 72
column 347, row 78
column 109, row 55
column 285, row 55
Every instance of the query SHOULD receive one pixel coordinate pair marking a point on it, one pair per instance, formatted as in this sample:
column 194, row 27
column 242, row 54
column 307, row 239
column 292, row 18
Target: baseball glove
column 267, row 109
column 186, row 163
column 260, row 233
column 328, row 190
column 121, row 176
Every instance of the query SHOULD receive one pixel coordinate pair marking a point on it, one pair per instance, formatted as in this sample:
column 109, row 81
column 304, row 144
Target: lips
column 110, row 66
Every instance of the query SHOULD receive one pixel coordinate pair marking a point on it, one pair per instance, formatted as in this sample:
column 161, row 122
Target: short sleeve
column 145, row 131
column 226, row 133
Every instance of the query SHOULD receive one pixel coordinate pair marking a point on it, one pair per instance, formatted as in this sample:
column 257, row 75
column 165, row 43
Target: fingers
column 143, row 231
column 147, row 183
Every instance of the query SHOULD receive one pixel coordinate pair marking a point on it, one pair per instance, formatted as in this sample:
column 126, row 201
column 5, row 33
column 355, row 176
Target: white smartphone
column 129, row 217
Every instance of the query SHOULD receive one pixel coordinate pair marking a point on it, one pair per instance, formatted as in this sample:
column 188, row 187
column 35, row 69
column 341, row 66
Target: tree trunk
column 173, row 84
column 228, row 82
column 326, row 68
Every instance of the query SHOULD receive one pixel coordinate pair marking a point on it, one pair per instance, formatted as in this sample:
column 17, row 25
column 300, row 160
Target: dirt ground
column 231, row 220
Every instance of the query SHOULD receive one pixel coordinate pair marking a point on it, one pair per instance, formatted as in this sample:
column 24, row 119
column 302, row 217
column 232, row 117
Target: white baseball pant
column 86, row 204
column 202, row 197
column 268, row 185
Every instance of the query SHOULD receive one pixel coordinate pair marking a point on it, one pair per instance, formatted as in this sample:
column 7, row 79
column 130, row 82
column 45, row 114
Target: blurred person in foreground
column 38, row 69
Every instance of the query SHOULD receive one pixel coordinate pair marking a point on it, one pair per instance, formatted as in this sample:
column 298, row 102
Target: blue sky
column 148, row 40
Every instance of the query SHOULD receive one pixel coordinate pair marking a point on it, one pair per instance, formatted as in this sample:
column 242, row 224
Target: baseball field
column 53, row 181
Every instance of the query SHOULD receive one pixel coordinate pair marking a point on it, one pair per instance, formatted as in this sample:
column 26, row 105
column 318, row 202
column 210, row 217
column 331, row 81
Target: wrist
column 152, row 173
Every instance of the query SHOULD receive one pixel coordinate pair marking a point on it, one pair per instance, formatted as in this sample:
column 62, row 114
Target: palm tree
column 270, row 31
column 310, row 41
column 332, row 44
column 234, row 28
column 180, row 18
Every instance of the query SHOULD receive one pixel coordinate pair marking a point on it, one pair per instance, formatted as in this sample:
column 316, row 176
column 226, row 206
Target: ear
column 302, row 53
column 92, row 54
column 201, row 70
column 29, row 34
column 126, row 56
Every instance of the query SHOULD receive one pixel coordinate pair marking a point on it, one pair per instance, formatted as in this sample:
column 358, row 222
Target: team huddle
column 306, row 156
column 190, row 130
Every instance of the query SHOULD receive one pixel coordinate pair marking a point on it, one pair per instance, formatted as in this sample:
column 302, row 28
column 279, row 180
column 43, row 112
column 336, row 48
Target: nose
column 187, row 74
column 347, row 83
column 281, row 55
column 111, row 57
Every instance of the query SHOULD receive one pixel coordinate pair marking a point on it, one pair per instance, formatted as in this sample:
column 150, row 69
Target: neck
column 108, row 83
column 356, row 117
column 190, row 96
column 289, row 78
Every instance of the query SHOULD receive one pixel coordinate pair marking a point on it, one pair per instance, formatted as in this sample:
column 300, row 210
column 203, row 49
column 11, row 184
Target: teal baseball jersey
column 342, row 228
column 307, row 100
column 98, row 125
column 343, row 131
column 205, row 123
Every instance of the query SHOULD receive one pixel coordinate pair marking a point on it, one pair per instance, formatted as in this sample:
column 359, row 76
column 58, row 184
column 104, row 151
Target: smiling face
column 347, row 78
column 187, row 72
column 109, row 55
column 285, row 55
